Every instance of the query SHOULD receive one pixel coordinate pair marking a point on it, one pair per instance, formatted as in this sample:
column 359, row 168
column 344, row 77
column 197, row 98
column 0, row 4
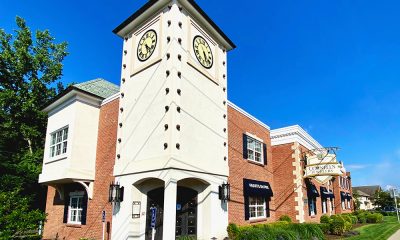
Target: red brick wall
column 283, row 180
column 240, row 168
column 338, row 189
column 54, row 227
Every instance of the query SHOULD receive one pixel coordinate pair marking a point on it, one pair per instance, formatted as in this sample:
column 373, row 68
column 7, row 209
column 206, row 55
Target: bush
column 232, row 230
column 324, row 219
column 362, row 218
column 374, row 218
column 285, row 218
column 325, row 227
column 337, row 226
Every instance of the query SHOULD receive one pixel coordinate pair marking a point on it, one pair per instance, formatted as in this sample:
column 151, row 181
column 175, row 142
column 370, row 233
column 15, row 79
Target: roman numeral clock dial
column 147, row 45
column 202, row 52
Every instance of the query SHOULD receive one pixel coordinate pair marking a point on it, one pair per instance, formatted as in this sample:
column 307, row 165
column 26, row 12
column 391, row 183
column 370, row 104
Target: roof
column 361, row 193
column 98, row 87
column 370, row 190
column 151, row 3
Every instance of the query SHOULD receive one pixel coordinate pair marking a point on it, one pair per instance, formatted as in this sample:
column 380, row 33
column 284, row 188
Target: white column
column 169, row 220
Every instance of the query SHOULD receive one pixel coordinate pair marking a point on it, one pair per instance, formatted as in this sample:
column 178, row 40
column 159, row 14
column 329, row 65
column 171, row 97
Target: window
column 254, row 150
column 257, row 207
column 343, row 204
column 75, row 207
column 332, row 204
column 324, row 206
column 312, row 205
column 348, row 204
column 58, row 142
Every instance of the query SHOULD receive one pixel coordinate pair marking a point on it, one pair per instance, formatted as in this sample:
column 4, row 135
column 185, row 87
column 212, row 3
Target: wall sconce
column 136, row 209
column 224, row 192
column 115, row 193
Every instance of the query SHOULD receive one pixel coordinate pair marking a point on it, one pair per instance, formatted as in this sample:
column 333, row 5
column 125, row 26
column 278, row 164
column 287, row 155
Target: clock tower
column 172, row 150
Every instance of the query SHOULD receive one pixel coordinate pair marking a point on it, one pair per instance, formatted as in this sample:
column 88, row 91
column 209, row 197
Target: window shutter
column 315, row 206
column 267, row 207
column 84, row 209
column 246, row 208
column 309, row 207
column 265, row 153
column 245, row 156
column 66, row 204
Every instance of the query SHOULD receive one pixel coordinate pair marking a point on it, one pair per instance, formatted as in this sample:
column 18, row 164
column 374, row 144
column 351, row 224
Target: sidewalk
column 395, row 236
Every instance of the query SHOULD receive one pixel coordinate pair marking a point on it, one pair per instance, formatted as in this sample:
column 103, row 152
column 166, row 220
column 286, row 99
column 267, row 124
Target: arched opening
column 154, row 216
column 186, row 212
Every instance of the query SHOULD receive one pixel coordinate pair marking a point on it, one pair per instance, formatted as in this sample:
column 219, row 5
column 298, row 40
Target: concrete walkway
column 395, row 236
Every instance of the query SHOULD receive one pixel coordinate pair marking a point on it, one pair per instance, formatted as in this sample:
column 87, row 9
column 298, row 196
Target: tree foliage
column 30, row 69
column 383, row 199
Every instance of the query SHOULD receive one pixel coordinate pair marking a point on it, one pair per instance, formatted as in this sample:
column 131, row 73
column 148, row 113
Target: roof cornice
column 232, row 105
column 292, row 134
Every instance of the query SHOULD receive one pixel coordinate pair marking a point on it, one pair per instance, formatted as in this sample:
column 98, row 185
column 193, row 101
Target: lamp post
column 395, row 201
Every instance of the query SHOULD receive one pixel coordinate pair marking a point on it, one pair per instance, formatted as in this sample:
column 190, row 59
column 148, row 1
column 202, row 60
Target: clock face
column 147, row 45
column 202, row 51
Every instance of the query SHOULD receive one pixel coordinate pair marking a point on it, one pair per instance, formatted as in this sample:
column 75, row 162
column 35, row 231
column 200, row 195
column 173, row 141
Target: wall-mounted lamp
column 224, row 192
column 115, row 193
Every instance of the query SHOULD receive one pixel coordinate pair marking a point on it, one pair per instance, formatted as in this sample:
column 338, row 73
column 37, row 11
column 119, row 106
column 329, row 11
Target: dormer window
column 58, row 142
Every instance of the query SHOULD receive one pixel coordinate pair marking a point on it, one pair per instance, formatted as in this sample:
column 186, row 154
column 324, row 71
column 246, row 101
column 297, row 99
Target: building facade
column 165, row 154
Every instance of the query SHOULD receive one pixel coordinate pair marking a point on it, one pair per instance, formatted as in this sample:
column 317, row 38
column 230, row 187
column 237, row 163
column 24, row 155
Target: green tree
column 30, row 69
column 383, row 199
column 357, row 201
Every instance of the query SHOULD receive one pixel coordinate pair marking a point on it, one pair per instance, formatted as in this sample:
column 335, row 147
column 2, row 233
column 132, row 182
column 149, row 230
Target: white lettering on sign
column 255, row 185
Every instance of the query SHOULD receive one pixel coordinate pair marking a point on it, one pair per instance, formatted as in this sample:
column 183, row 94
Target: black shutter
column 84, row 209
column 246, row 207
column 267, row 206
column 265, row 153
column 66, row 204
column 245, row 146
column 309, row 206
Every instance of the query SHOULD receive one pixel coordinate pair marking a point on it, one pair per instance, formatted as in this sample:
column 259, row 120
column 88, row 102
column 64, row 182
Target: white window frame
column 78, row 209
column 251, row 156
column 59, row 138
column 259, row 203
column 312, row 205
column 324, row 205
column 343, row 204
column 348, row 204
column 332, row 204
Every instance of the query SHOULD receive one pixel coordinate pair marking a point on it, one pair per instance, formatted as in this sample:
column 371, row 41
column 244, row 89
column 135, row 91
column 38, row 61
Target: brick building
column 172, row 145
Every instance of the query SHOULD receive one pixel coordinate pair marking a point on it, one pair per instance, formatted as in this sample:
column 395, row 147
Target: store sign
column 324, row 169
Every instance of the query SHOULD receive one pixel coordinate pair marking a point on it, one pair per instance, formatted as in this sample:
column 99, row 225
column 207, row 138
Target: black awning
column 312, row 191
column 348, row 195
column 325, row 193
column 343, row 195
column 256, row 188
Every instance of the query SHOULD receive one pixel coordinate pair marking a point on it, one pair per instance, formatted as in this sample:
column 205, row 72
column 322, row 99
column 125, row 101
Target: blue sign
column 103, row 216
column 153, row 217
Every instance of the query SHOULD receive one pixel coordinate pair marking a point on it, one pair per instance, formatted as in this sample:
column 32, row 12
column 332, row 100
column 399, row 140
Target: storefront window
column 312, row 204
column 324, row 207
column 257, row 207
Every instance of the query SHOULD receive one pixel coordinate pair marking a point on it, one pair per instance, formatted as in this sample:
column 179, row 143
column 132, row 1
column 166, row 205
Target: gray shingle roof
column 99, row 87
column 370, row 190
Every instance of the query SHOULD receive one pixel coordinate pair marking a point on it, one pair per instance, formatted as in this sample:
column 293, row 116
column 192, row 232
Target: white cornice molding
column 292, row 134
column 111, row 98
column 247, row 115
column 70, row 98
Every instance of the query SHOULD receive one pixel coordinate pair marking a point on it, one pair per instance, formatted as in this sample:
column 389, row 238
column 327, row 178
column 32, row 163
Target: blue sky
column 332, row 67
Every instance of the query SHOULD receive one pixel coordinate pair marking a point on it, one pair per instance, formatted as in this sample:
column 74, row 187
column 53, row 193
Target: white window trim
column 256, row 139
column 343, row 204
column 62, row 143
column 348, row 204
column 264, row 205
column 76, row 194
column 324, row 206
column 313, row 203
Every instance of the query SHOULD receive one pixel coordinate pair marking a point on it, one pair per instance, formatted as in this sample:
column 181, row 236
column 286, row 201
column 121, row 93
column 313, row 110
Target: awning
column 256, row 188
column 343, row 195
column 312, row 191
column 325, row 193
column 348, row 195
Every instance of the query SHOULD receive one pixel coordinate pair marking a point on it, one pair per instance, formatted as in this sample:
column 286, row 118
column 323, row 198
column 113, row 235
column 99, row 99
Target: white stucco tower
column 172, row 149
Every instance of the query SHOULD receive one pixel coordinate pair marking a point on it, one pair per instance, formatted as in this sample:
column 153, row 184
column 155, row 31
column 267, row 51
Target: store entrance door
column 154, row 216
column 186, row 212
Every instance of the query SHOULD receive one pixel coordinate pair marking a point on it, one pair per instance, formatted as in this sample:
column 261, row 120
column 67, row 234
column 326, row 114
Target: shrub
column 375, row 218
column 337, row 226
column 285, row 218
column 346, row 218
column 325, row 227
column 324, row 219
column 354, row 219
column 347, row 226
column 362, row 218
column 232, row 230
column 186, row 238
column 253, row 234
